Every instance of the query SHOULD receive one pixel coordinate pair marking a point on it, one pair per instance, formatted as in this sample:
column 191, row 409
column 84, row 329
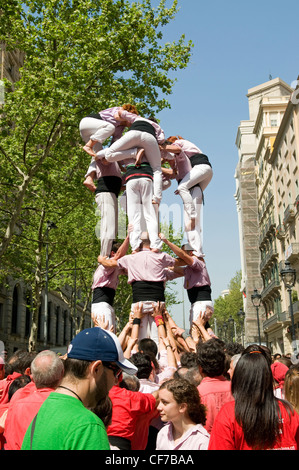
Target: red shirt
column 19, row 416
column 214, row 393
column 127, row 408
column 227, row 434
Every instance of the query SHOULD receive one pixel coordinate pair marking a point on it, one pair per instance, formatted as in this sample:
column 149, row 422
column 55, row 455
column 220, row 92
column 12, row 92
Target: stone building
column 267, row 190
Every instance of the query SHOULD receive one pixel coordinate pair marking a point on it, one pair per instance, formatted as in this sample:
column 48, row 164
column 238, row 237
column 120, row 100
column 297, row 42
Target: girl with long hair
column 256, row 419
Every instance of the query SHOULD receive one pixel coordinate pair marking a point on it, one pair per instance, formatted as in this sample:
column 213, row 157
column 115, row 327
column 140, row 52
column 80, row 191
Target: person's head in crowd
column 179, row 400
column 144, row 364
column 266, row 351
column 47, row 369
column 285, row 360
column 188, row 359
column 234, row 348
column 291, row 386
column 279, row 371
column 276, row 356
column 191, row 374
column 94, row 363
column 211, row 358
column 20, row 362
column 129, row 382
column 17, row 383
column 147, row 345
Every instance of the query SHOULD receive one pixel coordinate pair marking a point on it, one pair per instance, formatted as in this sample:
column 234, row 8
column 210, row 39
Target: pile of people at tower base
column 153, row 386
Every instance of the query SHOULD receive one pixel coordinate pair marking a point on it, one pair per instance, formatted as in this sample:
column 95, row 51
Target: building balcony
column 274, row 285
column 268, row 258
column 272, row 321
column 267, row 229
column 280, row 232
column 289, row 214
column 292, row 252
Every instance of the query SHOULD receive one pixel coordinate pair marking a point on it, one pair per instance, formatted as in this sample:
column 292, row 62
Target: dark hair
column 211, row 357
column 17, row 383
column 20, row 361
column 146, row 345
column 76, row 368
column 185, row 392
column 188, row 359
column 256, row 407
column 143, row 363
column 104, row 410
column 234, row 348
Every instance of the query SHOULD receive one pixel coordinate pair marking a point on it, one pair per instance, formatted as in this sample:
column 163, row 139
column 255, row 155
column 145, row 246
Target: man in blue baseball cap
column 65, row 421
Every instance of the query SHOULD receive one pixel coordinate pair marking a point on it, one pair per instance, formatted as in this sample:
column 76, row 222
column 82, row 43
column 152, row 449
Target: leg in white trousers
column 192, row 197
column 108, row 207
column 122, row 150
column 104, row 310
column 148, row 327
column 95, row 129
column 139, row 204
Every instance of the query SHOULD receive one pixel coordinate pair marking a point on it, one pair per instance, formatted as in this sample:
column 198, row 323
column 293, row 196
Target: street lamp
column 241, row 315
column 288, row 275
column 49, row 226
column 231, row 324
column 256, row 302
column 224, row 325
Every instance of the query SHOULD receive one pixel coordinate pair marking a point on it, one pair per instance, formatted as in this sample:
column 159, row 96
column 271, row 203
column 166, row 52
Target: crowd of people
column 153, row 385
column 116, row 392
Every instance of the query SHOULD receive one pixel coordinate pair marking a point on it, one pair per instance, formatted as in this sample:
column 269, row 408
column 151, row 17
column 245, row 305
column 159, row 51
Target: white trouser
column 108, row 208
column 95, row 129
column 122, row 150
column 191, row 191
column 98, row 130
column 139, row 193
column 104, row 311
column 148, row 327
column 201, row 309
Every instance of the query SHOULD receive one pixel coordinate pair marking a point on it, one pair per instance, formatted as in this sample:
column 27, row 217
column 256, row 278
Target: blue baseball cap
column 96, row 344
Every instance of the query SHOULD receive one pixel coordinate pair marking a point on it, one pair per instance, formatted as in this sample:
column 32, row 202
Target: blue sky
column 237, row 45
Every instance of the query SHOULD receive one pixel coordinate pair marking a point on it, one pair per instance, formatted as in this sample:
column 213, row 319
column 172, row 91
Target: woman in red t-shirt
column 256, row 419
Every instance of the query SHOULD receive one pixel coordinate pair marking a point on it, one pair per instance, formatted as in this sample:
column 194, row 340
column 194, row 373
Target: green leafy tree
column 79, row 56
column 229, row 306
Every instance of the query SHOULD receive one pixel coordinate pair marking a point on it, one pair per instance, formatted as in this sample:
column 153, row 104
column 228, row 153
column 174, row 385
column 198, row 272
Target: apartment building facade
column 267, row 180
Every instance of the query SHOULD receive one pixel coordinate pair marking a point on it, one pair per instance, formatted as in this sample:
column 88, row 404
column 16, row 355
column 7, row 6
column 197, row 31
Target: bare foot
column 139, row 156
column 89, row 184
column 89, row 150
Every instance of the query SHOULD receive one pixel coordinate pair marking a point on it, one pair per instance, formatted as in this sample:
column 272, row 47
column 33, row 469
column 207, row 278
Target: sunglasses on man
column 115, row 369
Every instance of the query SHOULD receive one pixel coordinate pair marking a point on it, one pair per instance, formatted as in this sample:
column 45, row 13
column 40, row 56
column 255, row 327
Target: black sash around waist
column 148, row 290
column 95, row 115
column 103, row 294
column 199, row 159
column 143, row 126
column 144, row 171
column 109, row 184
column 201, row 293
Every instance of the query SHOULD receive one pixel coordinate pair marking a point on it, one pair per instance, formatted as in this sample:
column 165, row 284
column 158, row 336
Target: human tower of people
column 135, row 162
column 154, row 386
